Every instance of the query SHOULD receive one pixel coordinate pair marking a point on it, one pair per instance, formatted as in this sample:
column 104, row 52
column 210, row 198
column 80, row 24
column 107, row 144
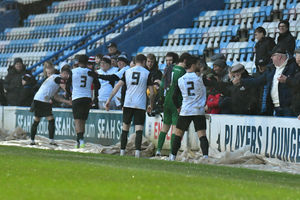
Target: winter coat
column 263, row 49
column 285, row 92
column 294, row 84
column 287, row 41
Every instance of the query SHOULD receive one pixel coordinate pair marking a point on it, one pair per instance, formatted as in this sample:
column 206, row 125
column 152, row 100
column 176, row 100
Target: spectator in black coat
column 28, row 91
column 152, row 66
column 263, row 46
column 222, row 70
column 113, row 49
column 286, row 39
column 243, row 100
column 280, row 94
column 2, row 95
column 263, row 99
column 13, row 82
column 294, row 84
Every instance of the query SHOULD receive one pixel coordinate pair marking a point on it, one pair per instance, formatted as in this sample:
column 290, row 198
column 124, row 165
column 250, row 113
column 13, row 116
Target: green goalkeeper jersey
column 177, row 72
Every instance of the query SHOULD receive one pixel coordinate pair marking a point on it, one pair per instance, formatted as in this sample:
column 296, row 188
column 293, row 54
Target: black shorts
column 184, row 122
column 81, row 108
column 138, row 114
column 41, row 109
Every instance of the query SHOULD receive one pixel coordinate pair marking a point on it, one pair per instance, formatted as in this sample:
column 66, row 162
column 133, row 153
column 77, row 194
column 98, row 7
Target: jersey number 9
column 135, row 78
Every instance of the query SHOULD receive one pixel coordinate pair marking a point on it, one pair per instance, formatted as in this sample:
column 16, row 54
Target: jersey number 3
column 135, row 78
column 190, row 88
column 83, row 81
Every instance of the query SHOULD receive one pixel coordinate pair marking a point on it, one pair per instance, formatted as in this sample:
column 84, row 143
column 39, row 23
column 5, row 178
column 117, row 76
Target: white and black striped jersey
column 136, row 79
column 106, row 87
column 193, row 93
column 48, row 89
column 81, row 83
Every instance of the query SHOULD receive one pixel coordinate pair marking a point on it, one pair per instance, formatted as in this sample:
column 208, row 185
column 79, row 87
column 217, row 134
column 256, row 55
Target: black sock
column 51, row 128
column 79, row 136
column 34, row 129
column 176, row 144
column 204, row 145
column 138, row 140
column 124, row 136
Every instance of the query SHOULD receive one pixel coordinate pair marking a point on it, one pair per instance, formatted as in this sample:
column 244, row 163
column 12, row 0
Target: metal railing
column 116, row 25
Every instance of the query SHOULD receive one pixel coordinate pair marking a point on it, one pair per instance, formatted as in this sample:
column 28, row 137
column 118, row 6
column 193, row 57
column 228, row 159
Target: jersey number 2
column 135, row 78
column 190, row 88
column 83, row 81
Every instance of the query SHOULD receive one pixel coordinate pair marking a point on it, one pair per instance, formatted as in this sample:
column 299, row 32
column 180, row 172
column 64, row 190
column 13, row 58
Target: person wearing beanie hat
column 91, row 63
column 106, row 86
column 286, row 39
column 222, row 70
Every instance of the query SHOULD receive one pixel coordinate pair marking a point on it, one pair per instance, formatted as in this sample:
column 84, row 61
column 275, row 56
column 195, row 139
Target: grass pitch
column 27, row 173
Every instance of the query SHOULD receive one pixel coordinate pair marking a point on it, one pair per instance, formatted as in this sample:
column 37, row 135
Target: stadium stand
column 64, row 23
column 230, row 31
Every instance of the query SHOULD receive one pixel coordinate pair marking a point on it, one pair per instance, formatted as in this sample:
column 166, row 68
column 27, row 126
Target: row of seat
column 278, row 4
column 213, row 37
column 292, row 13
column 27, row 1
column 35, row 45
column 75, row 5
column 61, row 30
column 98, row 14
column 246, row 17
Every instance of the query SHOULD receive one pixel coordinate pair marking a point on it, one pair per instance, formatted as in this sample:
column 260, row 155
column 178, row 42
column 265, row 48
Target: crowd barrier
column 275, row 137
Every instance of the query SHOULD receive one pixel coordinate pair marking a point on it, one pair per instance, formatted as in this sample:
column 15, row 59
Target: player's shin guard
column 176, row 144
column 124, row 136
column 138, row 140
column 204, row 145
column 34, row 129
column 51, row 129
column 161, row 140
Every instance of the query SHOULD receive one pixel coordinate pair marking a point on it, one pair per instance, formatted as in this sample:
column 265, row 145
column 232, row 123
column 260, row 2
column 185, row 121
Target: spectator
column 294, row 84
column 221, row 70
column 263, row 99
column 152, row 66
column 114, row 61
column 28, row 91
column 113, row 50
column 171, row 58
column 243, row 100
column 286, row 39
column 13, row 82
column 263, row 46
column 218, row 56
column 98, row 59
column 91, row 63
column 2, row 95
column 106, row 86
column 48, row 69
column 281, row 95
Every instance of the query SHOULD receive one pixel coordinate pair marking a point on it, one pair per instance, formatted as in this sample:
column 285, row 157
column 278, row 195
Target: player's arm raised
column 113, row 93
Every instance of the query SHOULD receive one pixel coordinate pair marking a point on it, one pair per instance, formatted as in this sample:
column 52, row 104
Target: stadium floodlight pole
column 106, row 33
column 86, row 37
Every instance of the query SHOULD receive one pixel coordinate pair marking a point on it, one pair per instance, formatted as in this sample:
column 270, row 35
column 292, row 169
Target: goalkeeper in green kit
column 168, row 85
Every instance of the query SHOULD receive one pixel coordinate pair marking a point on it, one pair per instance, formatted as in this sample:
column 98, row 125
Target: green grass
column 27, row 173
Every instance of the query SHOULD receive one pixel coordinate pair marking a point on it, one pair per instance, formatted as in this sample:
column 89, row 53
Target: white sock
column 52, row 141
column 122, row 152
column 205, row 156
column 32, row 141
column 137, row 153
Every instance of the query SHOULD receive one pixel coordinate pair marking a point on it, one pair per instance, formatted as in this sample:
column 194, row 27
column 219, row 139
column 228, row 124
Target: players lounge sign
column 101, row 128
column 269, row 136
